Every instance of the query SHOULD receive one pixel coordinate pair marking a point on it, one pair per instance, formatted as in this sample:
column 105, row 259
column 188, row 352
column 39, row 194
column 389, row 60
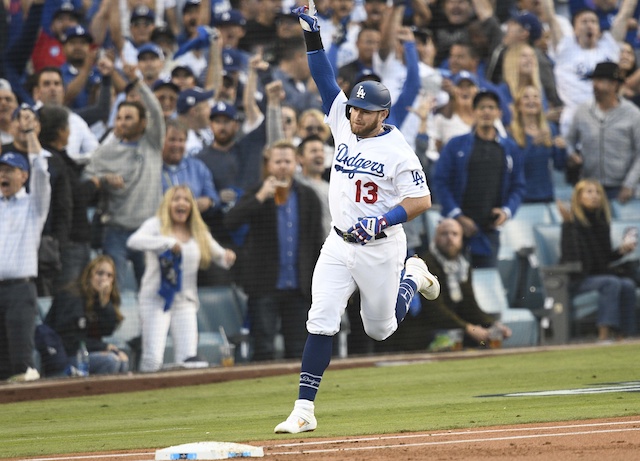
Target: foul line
column 465, row 432
column 450, row 442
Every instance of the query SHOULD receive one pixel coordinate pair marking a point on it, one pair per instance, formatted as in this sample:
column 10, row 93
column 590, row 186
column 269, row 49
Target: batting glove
column 308, row 23
column 367, row 228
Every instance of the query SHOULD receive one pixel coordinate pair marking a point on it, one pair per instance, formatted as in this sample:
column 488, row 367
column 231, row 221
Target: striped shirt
column 22, row 219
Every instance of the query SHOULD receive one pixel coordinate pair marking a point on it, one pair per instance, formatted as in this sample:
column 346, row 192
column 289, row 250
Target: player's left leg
column 331, row 287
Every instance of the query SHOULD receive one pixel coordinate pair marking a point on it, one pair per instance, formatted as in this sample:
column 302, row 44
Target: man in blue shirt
column 178, row 169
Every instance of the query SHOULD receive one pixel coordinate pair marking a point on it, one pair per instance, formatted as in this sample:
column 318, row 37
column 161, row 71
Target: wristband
column 313, row 41
column 396, row 215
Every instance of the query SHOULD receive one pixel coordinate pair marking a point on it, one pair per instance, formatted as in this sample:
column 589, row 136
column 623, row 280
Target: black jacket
column 68, row 317
column 259, row 255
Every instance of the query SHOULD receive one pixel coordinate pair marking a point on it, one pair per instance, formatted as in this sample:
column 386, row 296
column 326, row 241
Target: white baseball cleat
column 301, row 419
column 428, row 284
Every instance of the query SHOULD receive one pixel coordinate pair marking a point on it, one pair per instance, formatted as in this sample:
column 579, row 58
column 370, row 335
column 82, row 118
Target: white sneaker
column 301, row 419
column 428, row 284
column 30, row 375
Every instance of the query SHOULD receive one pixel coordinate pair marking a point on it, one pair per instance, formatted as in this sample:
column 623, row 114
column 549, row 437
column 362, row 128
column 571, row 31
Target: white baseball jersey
column 370, row 176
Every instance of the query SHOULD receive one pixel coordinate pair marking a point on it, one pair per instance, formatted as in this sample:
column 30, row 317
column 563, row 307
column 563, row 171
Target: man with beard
column 604, row 137
column 193, row 108
column 377, row 183
column 235, row 166
column 128, row 165
column 78, row 72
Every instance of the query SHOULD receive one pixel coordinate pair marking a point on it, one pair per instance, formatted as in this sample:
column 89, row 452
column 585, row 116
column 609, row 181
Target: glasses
column 104, row 273
column 313, row 129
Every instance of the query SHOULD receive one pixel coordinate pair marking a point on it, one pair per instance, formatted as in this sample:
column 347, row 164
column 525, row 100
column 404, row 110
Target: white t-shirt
column 573, row 65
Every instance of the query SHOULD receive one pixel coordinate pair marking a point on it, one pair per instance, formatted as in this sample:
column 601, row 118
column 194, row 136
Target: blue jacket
column 451, row 173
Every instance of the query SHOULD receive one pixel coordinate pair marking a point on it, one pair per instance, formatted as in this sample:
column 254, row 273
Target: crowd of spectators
column 131, row 98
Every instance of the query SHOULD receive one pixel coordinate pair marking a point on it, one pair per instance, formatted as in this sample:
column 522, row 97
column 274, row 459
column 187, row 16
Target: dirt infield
column 592, row 440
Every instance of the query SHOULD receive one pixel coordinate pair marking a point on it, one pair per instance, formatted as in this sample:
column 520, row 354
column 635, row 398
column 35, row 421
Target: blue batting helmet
column 369, row 95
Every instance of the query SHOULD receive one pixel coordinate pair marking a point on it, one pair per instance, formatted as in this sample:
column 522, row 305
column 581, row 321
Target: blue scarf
column 170, row 276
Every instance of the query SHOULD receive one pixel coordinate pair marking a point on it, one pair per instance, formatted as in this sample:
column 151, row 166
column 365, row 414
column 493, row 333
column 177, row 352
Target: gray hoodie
column 609, row 143
column 139, row 164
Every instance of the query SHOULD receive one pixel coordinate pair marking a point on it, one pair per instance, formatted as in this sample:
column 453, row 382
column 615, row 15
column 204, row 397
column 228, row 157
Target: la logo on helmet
column 361, row 93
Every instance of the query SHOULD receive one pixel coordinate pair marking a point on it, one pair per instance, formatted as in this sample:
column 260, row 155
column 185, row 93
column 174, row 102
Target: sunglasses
column 313, row 129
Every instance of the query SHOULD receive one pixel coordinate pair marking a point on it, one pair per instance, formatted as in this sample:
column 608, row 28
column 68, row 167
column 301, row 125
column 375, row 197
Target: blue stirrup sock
column 315, row 360
column 406, row 292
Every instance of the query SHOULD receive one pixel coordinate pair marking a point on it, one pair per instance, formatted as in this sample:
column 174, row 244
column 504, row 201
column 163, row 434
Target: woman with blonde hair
column 539, row 142
column 586, row 238
column 519, row 69
column 176, row 243
column 87, row 310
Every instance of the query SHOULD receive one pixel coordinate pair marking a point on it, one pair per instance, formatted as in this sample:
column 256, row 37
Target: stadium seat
column 629, row 211
column 130, row 326
column 515, row 258
column 222, row 306
column 491, row 297
column 563, row 314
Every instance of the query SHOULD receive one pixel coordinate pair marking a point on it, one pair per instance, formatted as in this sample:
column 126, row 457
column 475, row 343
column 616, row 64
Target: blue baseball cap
column 233, row 60
column 165, row 82
column 151, row 48
column 229, row 18
column 225, row 109
column 465, row 75
column 75, row 32
column 68, row 8
column 190, row 97
column 15, row 160
column 530, row 23
column 143, row 12
column 23, row 106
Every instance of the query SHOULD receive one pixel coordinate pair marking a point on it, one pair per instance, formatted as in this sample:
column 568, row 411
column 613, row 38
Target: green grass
column 416, row 397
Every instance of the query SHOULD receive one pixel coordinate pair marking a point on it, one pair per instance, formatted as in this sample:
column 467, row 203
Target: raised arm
column 155, row 125
column 213, row 79
column 320, row 67
column 554, row 27
column 251, row 109
column 619, row 26
column 275, row 95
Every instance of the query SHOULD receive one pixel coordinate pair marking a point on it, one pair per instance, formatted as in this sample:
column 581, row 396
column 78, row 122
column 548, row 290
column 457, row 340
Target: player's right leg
column 331, row 287
column 427, row 283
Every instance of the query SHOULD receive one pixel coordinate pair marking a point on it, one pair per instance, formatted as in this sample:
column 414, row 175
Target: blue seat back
column 629, row 211
column 224, row 306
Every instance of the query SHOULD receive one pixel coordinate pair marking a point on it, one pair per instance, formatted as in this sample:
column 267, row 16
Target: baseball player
column 376, row 184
